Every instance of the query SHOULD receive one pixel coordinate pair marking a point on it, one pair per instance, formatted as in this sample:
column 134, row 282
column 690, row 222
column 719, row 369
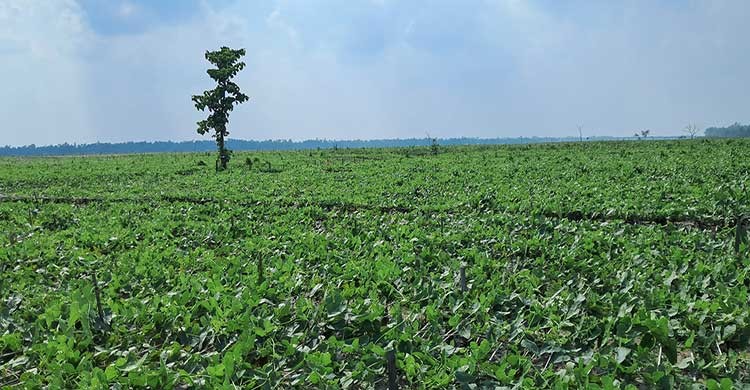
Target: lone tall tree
column 221, row 100
column 692, row 130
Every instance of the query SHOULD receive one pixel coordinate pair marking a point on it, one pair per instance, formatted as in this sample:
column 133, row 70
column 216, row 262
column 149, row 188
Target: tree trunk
column 222, row 151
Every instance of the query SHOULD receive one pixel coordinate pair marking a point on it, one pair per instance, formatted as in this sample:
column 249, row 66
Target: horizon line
column 333, row 140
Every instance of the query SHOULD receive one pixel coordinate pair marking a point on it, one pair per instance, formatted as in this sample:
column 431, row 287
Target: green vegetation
column 735, row 130
column 600, row 265
column 220, row 101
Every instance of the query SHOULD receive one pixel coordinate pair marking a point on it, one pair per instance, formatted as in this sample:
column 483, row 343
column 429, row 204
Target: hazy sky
column 120, row 70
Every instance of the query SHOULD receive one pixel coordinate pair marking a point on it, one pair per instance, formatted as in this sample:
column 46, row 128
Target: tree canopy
column 734, row 130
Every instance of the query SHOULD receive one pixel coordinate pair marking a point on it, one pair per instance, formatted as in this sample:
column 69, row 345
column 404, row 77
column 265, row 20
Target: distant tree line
column 735, row 130
column 243, row 145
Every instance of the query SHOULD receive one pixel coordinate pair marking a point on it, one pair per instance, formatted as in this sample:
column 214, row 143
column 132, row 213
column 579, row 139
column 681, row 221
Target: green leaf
column 410, row 366
column 729, row 331
column 689, row 342
column 463, row 377
column 228, row 363
column 454, row 320
column 334, row 304
column 217, row 370
column 111, row 373
column 325, row 359
column 135, row 365
column 530, row 346
column 608, row 383
column 314, row 378
column 670, row 350
column 622, row 354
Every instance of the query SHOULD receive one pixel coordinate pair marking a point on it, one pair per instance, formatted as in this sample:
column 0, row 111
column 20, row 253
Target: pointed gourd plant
column 221, row 100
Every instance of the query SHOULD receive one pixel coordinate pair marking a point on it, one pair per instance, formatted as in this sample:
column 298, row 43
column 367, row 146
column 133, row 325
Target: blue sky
column 121, row 70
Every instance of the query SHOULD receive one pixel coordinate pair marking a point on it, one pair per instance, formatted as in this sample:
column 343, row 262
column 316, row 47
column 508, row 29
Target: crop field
column 589, row 265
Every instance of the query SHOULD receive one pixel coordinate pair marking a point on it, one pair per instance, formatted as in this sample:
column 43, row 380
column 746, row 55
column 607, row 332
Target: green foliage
column 220, row 101
column 604, row 265
column 735, row 130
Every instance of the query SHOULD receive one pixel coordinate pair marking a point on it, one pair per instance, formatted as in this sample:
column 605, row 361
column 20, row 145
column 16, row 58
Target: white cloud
column 126, row 9
column 43, row 30
column 41, row 99
column 275, row 20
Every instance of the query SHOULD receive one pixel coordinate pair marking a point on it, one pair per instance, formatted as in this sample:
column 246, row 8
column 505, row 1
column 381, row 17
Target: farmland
column 601, row 265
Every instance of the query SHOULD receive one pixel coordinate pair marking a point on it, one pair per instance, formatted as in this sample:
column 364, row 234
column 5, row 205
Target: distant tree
column 220, row 101
column 692, row 130
column 735, row 130
column 580, row 132
column 642, row 134
column 434, row 146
